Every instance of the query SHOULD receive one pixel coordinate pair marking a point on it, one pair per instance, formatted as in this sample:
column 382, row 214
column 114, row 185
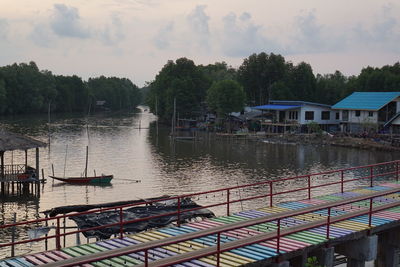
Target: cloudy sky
column 135, row 38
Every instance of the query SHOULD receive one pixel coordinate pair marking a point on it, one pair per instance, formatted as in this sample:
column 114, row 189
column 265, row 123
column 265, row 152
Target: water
column 146, row 164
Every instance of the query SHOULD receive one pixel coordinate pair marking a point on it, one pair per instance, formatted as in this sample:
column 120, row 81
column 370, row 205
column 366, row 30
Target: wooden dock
column 258, row 237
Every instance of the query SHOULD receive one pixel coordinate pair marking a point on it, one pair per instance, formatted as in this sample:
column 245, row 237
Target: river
column 145, row 163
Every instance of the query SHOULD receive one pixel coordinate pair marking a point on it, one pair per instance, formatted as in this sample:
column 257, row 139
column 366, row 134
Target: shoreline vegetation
column 24, row 89
column 376, row 143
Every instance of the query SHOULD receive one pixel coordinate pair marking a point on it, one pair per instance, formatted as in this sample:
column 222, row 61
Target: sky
column 136, row 38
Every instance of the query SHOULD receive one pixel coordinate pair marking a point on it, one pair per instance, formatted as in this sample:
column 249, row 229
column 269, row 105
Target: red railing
column 368, row 172
column 278, row 234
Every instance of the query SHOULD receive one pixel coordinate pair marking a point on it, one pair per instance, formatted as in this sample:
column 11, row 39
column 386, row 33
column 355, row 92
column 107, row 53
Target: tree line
column 260, row 78
column 26, row 89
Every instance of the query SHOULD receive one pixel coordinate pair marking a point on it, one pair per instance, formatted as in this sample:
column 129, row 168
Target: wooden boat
column 85, row 179
column 103, row 179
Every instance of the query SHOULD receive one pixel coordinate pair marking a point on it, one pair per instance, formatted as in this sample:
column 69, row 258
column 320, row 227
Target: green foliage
column 26, row 89
column 225, row 97
column 258, row 72
column 181, row 80
column 313, row 127
column 312, row 262
column 119, row 93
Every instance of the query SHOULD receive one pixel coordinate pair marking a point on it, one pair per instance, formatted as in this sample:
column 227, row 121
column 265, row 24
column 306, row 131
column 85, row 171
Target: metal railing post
column 328, row 224
column 218, row 248
column 309, row 186
column 372, row 176
column 121, row 225
column 341, row 181
column 370, row 212
column 228, row 192
column 58, row 244
column 179, row 211
column 146, row 258
column 270, row 194
column 278, row 237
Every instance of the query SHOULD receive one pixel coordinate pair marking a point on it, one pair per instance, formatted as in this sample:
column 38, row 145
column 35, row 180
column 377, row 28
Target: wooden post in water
column 2, row 170
column 86, row 165
column 13, row 235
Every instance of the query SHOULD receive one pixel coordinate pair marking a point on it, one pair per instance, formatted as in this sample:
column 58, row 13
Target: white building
column 363, row 111
column 301, row 113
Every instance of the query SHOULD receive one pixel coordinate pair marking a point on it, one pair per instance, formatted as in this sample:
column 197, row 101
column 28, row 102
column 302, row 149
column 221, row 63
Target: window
column 293, row 115
column 345, row 115
column 358, row 113
column 309, row 115
column 337, row 115
column 325, row 115
column 370, row 113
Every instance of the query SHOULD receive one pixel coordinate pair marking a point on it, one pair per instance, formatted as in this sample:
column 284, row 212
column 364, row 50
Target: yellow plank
column 273, row 209
column 157, row 235
column 363, row 191
column 351, row 225
column 309, row 217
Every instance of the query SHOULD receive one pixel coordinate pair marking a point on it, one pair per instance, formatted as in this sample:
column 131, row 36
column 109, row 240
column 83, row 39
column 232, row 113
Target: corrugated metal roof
column 299, row 103
column 275, row 107
column 366, row 100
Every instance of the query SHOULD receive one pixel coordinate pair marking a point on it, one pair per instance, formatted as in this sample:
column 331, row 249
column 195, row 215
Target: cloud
column 66, row 22
column 42, row 36
column 312, row 37
column 163, row 38
column 241, row 37
column 383, row 34
column 112, row 33
column 3, row 29
column 198, row 23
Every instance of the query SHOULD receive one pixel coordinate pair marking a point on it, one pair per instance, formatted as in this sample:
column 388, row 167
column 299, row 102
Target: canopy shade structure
column 11, row 141
column 276, row 107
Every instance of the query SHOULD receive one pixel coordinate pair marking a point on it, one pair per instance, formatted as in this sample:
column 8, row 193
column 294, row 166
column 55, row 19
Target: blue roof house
column 300, row 113
column 363, row 111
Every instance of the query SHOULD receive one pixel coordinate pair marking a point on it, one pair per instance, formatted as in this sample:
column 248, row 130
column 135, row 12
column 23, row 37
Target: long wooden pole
column 86, row 165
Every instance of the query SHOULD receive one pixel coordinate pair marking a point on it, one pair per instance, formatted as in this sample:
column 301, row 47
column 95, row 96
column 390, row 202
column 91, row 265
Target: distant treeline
column 262, row 77
column 26, row 89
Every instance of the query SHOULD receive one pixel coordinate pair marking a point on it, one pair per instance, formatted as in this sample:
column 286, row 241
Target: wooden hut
column 19, row 174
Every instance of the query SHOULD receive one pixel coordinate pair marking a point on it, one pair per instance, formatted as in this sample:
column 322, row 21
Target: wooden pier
column 361, row 224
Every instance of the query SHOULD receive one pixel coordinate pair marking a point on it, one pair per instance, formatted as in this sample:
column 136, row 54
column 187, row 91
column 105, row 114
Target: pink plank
column 34, row 260
column 388, row 215
column 43, row 258
column 53, row 256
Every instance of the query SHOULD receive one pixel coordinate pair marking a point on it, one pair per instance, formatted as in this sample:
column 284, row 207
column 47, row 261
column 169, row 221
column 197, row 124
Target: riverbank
column 376, row 144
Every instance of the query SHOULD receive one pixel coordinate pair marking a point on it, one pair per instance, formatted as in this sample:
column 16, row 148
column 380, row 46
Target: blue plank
column 14, row 263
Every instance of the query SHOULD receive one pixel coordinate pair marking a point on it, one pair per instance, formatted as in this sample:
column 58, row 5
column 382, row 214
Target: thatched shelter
column 11, row 141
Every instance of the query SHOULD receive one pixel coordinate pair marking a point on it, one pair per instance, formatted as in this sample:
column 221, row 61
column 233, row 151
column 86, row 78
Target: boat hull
column 104, row 179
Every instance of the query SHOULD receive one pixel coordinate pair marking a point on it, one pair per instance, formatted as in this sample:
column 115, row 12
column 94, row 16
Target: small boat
column 84, row 179
column 103, row 179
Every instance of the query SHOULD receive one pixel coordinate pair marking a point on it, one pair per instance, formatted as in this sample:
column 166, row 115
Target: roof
column 298, row 103
column 366, row 100
column 276, row 107
column 12, row 141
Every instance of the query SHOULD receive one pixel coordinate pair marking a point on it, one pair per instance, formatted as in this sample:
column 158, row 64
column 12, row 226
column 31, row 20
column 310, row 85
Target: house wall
column 396, row 121
column 317, row 115
column 364, row 117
